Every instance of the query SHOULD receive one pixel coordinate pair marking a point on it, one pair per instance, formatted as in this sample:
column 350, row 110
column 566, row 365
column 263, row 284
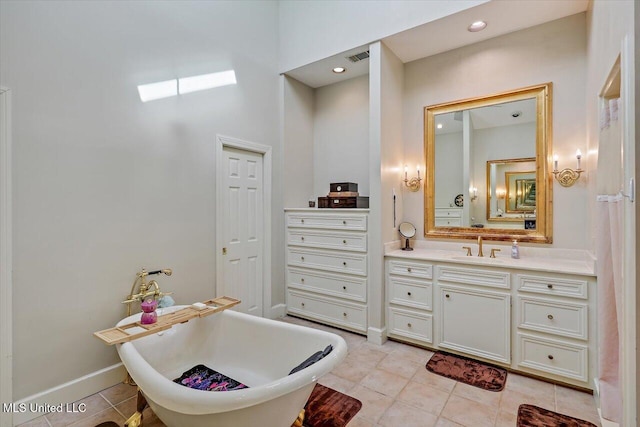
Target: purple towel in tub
column 204, row 378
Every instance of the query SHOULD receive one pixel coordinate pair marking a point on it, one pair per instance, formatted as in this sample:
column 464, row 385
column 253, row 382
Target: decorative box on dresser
column 327, row 266
column 536, row 315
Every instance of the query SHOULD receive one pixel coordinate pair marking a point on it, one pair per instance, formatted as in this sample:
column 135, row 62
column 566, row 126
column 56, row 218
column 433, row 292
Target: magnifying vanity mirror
column 407, row 230
column 488, row 167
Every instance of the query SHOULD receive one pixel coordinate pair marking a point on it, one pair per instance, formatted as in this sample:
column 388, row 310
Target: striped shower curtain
column 609, row 252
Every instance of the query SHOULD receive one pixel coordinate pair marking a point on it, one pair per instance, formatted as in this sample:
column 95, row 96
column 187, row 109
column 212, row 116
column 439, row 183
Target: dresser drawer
column 341, row 313
column 341, row 262
column 356, row 222
column 559, row 318
column 411, row 269
column 411, row 324
column 471, row 276
column 448, row 213
column 337, row 285
column 555, row 357
column 552, row 286
column 340, row 240
column 411, row 293
column 448, row 222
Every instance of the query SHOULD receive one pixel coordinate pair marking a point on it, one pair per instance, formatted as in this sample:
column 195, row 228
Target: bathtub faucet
column 145, row 290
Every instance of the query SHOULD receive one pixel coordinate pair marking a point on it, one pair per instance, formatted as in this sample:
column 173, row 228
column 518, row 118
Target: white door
column 243, row 228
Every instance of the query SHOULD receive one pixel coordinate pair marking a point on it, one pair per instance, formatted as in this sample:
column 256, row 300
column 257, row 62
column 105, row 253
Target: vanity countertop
column 552, row 261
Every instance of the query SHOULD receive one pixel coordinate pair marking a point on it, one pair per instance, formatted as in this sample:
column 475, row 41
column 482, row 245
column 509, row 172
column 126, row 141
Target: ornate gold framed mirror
column 488, row 162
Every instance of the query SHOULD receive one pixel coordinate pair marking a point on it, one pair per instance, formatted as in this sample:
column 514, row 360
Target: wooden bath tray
column 135, row 330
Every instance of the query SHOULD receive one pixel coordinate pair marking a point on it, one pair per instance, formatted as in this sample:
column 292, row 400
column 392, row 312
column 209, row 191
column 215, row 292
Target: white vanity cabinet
column 530, row 320
column 327, row 266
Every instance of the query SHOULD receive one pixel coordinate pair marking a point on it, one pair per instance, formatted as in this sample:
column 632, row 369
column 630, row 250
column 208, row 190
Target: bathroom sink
column 478, row 260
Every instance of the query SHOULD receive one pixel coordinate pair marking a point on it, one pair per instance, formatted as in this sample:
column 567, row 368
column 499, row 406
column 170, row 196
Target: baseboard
column 69, row 392
column 278, row 310
column 377, row 336
column 596, row 396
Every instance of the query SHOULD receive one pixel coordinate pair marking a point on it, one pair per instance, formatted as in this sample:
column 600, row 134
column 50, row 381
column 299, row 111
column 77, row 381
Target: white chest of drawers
column 448, row 217
column 327, row 266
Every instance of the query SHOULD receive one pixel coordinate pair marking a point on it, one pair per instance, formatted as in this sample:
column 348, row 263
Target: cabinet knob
column 302, row 221
column 446, row 295
column 409, row 269
column 302, row 304
column 344, row 314
column 302, row 258
column 344, row 222
column 302, row 238
column 409, row 293
column 550, row 316
column 550, row 357
column 344, row 287
column 550, row 286
column 344, row 242
column 344, row 263
column 302, row 280
column 408, row 325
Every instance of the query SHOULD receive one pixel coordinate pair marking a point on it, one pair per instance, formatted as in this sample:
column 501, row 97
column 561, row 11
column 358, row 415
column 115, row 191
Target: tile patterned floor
column 395, row 390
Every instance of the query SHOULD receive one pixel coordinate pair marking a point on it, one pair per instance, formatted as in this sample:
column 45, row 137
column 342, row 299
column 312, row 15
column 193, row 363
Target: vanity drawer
column 341, row 240
column 411, row 293
column 411, row 269
column 337, row 285
column 336, row 222
column 559, row 318
column 411, row 324
column 552, row 286
column 341, row 262
column 470, row 276
column 341, row 313
column 555, row 357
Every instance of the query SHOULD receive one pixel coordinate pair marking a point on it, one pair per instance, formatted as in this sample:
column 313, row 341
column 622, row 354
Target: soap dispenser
column 515, row 250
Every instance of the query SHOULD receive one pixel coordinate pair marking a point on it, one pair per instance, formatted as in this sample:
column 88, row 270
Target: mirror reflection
column 487, row 166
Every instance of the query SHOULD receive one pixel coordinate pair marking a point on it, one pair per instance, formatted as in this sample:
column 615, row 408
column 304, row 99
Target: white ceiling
column 445, row 34
column 497, row 115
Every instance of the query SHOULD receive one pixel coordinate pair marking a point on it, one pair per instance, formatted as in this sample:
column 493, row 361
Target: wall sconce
column 473, row 192
column 567, row 177
column 414, row 183
column 501, row 194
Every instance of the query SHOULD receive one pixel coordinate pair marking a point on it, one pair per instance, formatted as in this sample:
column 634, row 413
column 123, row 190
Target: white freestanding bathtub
column 255, row 351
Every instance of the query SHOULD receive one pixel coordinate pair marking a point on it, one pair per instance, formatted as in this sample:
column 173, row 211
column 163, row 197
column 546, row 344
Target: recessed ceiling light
column 477, row 26
column 439, row 125
column 339, row 70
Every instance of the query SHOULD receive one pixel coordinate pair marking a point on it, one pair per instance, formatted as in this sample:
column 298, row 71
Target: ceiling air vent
column 358, row 56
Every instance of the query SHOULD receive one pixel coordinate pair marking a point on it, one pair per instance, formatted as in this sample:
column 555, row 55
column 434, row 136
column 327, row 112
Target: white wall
column 611, row 24
column 298, row 125
column 310, row 31
column 553, row 52
column 341, row 135
column 105, row 184
column 448, row 173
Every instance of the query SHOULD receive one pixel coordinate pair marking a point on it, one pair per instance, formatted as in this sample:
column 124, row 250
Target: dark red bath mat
column 468, row 371
column 532, row 416
column 327, row 407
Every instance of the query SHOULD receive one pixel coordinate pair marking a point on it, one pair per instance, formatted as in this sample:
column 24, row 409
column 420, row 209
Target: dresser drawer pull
column 409, row 269
column 550, row 316
column 409, row 293
column 550, row 357
column 408, row 325
column 302, row 238
column 446, row 295
column 344, row 287
column 344, row 242
column 344, row 314
column 302, row 221
column 302, row 258
column 302, row 304
column 344, row 222
column 302, row 280
column 550, row 286
column 344, row 263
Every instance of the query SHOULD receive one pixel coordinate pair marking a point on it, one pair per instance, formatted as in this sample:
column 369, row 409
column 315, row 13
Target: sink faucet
column 480, row 246
column 145, row 290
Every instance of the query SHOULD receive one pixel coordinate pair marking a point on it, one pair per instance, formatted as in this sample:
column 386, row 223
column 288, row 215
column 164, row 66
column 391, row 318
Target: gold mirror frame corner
column 544, row 183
